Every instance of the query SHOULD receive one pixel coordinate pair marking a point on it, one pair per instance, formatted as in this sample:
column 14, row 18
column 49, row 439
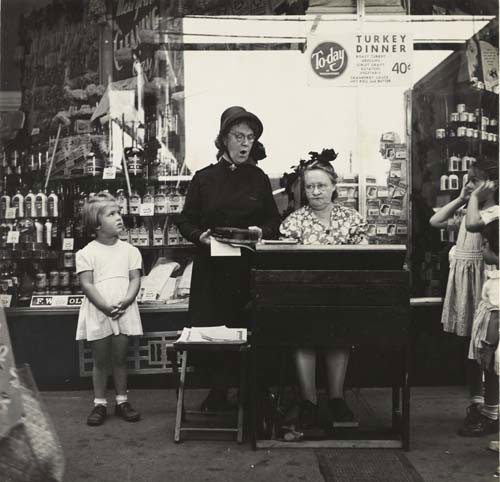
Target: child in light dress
column 484, row 341
column 109, row 271
column 467, row 268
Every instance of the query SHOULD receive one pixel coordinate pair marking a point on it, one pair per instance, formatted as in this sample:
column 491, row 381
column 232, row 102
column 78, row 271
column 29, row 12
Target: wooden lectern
column 322, row 295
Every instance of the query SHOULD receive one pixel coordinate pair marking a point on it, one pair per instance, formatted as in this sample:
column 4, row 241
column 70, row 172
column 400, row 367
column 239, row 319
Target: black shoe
column 340, row 413
column 308, row 415
column 125, row 411
column 473, row 412
column 97, row 416
column 481, row 425
column 217, row 401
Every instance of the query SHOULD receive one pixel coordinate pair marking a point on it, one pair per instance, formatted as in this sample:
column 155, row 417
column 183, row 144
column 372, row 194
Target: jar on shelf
column 454, row 183
column 134, row 158
column 160, row 201
column 69, row 259
column 93, row 165
column 158, row 236
column 122, row 202
column 467, row 162
column 134, row 203
column 440, row 133
column 460, row 108
column 444, row 183
column 454, row 163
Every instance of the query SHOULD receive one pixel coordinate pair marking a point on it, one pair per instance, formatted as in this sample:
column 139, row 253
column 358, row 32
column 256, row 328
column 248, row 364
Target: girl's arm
column 473, row 221
column 440, row 219
column 133, row 288
column 91, row 292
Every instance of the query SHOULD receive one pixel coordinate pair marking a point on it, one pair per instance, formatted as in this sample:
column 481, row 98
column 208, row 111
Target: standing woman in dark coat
column 233, row 192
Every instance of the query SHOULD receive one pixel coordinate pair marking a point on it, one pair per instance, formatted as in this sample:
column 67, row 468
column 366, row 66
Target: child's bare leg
column 119, row 360
column 475, row 380
column 305, row 362
column 336, row 364
column 491, row 389
column 101, row 351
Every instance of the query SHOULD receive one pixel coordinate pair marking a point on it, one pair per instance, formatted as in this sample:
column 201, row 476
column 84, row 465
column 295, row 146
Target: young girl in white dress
column 467, row 268
column 110, row 272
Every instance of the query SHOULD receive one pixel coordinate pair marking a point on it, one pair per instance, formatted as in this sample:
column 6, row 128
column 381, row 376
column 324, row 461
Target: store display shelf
column 167, row 246
column 467, row 143
column 181, row 306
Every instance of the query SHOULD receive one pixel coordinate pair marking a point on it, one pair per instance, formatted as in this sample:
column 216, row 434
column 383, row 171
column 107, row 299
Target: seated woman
column 322, row 221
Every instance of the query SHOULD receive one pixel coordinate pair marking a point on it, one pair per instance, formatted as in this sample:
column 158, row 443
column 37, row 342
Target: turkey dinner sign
column 371, row 59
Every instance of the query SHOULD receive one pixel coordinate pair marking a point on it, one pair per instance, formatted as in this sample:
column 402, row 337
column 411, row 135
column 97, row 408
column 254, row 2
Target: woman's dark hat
column 238, row 114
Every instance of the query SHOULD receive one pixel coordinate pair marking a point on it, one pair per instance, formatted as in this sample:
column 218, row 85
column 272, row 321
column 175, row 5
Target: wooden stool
column 180, row 417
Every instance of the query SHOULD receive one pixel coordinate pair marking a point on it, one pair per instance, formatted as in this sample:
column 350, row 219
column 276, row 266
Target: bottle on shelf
column 134, row 233
column 143, row 235
column 54, row 281
column 39, row 231
column 48, row 232
column 173, row 239
column 161, row 201
column 122, row 202
column 41, row 280
column 29, row 204
column 174, row 200
column 135, row 203
column 148, row 198
column 64, row 282
column 158, row 235
column 124, row 234
column 53, row 205
column 25, row 288
column 41, row 204
column 5, row 203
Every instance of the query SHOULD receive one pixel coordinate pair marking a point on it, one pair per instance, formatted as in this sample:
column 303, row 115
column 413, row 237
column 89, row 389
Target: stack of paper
column 213, row 334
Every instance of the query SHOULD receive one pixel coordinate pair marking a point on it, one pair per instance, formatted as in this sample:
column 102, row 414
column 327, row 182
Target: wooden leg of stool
column 242, row 397
column 180, row 399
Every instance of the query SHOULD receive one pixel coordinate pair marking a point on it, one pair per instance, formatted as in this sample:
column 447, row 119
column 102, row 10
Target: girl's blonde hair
column 94, row 207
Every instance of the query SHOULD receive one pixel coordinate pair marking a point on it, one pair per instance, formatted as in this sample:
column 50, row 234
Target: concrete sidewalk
column 145, row 452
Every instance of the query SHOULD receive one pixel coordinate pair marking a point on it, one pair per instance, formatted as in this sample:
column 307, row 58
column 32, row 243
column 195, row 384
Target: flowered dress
column 346, row 227
column 466, row 278
column 489, row 302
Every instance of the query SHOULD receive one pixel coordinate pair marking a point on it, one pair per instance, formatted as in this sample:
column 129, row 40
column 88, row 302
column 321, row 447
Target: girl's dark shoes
column 125, row 411
column 308, row 415
column 340, row 413
column 479, row 426
column 97, row 416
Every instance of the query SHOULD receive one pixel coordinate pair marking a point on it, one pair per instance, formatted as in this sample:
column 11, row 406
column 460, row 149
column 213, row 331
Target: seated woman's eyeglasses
column 320, row 187
column 240, row 137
